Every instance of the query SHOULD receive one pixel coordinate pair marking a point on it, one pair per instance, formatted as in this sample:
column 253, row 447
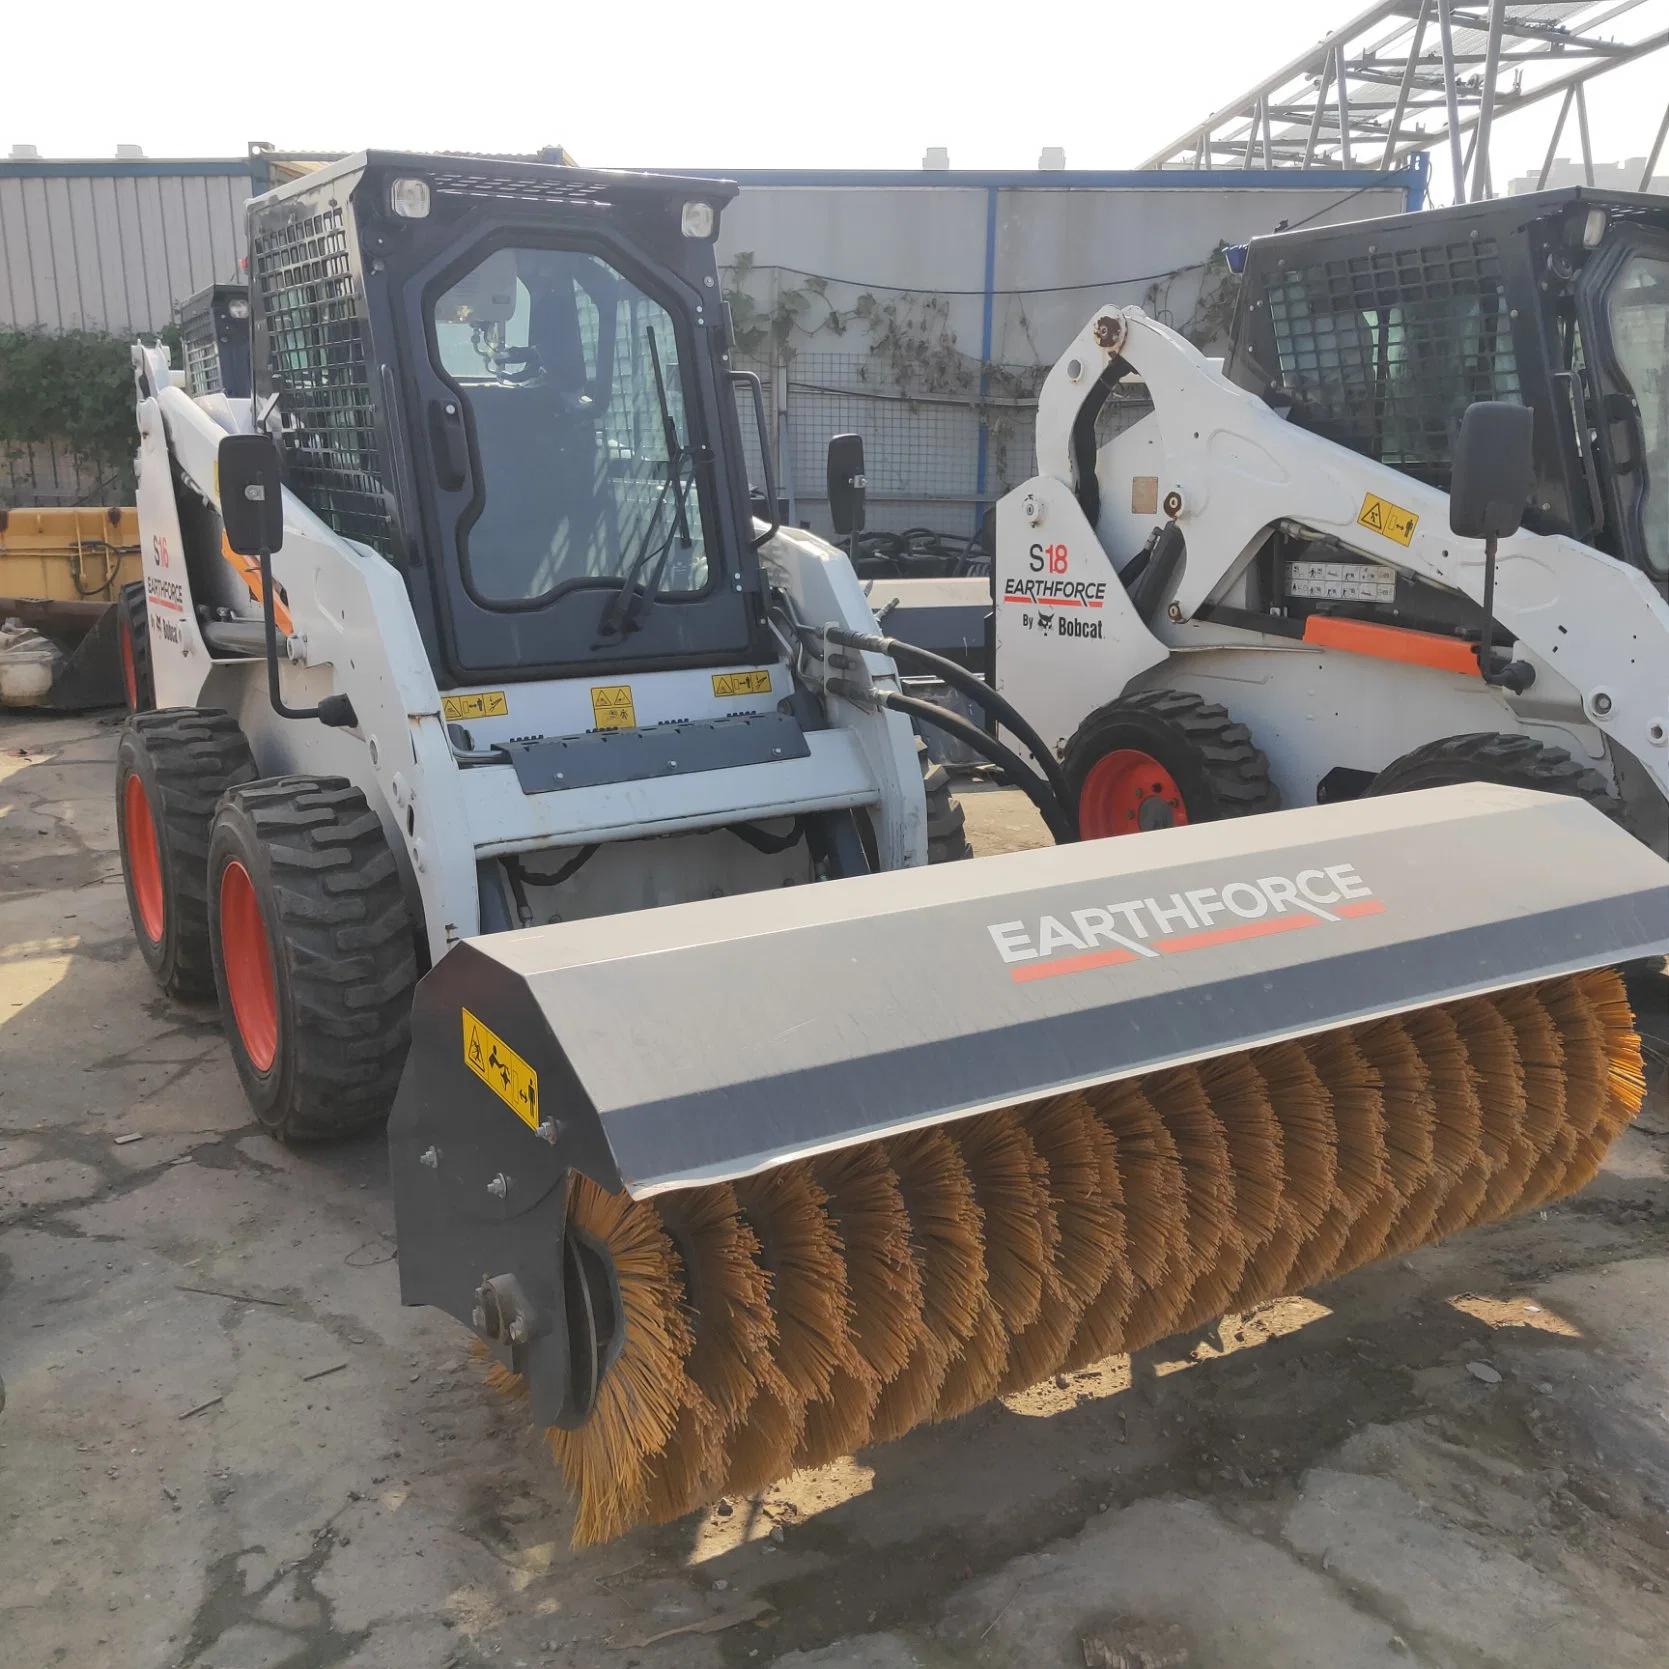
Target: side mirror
column 249, row 477
column 1494, row 470
column 846, row 483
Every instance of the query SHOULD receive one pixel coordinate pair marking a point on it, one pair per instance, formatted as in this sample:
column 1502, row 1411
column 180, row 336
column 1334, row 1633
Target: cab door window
column 583, row 456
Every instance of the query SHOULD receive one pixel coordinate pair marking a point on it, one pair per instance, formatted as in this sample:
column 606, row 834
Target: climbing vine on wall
column 72, row 389
column 911, row 352
column 1209, row 323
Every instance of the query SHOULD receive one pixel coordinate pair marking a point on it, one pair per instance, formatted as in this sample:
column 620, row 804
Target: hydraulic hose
column 976, row 690
column 1010, row 765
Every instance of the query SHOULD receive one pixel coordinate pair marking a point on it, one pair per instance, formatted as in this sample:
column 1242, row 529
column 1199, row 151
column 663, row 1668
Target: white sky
column 857, row 84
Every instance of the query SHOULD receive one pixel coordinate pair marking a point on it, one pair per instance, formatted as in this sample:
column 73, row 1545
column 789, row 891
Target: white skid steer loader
column 1254, row 595
column 485, row 668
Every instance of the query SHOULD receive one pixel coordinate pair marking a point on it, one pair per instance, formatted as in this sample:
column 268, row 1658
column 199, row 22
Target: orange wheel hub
column 144, row 862
column 1128, row 792
column 247, row 959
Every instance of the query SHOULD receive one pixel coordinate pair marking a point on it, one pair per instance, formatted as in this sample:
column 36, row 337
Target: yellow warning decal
column 502, row 1070
column 611, row 705
column 1390, row 519
column 742, row 683
column 483, row 704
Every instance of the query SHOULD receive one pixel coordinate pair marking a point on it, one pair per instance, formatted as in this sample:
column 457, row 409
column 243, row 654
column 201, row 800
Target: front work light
column 698, row 220
column 409, row 199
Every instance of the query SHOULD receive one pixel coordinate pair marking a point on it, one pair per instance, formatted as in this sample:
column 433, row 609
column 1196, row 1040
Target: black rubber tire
column 343, row 960
column 947, row 827
column 185, row 758
column 1211, row 758
column 133, row 623
column 1492, row 756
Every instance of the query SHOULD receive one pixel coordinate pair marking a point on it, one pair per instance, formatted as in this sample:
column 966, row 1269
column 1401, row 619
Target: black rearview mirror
column 1494, row 470
column 846, row 483
column 250, row 479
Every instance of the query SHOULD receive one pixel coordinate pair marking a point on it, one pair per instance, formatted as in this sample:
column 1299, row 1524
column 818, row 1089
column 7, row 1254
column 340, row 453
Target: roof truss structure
column 1406, row 76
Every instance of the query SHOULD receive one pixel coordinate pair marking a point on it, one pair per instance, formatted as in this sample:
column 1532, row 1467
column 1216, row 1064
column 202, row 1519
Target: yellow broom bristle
column 1011, row 1184
column 1492, row 1047
column 909, row 1398
column 1309, row 1137
column 1082, row 1161
column 605, row 1461
column 1457, row 1139
column 1155, row 1192
column 810, row 1295
column 1268, row 1269
column 1181, row 1101
column 1493, row 1051
column 1100, row 1329
column 1541, row 1057
column 1240, row 1101
column 689, row 1472
column 1405, row 1088
column 838, row 1423
column 946, row 1232
column 1041, row 1349
column 1155, row 1211
column 1624, row 1050
column 977, row 1368
column 869, row 1216
column 1587, row 1063
column 1215, row 1254
column 1608, row 1007
column 761, row 1449
column 1366, row 1202
column 1587, row 1081
column 729, row 1294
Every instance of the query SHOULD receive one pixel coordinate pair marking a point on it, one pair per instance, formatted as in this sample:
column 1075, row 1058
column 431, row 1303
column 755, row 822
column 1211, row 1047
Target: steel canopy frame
column 1405, row 76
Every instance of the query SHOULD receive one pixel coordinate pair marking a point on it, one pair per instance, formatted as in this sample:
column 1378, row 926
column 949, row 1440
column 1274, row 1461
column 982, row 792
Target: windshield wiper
column 624, row 613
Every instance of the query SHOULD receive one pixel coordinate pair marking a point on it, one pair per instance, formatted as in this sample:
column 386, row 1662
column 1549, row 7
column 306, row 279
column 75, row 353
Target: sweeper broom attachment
column 739, row 1186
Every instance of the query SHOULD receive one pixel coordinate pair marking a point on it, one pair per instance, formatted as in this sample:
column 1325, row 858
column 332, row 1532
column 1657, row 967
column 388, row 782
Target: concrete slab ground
column 224, row 1445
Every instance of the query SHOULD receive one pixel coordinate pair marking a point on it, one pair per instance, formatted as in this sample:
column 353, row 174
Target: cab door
column 1624, row 303
column 567, row 410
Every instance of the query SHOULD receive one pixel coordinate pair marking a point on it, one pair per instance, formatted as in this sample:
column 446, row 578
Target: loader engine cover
column 700, row 1043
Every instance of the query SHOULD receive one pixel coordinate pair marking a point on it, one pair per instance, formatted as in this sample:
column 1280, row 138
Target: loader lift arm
column 1233, row 471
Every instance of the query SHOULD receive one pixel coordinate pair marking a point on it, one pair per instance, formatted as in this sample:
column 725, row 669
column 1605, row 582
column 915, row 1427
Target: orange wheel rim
column 130, row 674
column 1128, row 792
column 247, row 958
column 144, row 862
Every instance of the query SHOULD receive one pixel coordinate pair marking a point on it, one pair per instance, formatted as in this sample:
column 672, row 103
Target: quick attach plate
column 663, row 750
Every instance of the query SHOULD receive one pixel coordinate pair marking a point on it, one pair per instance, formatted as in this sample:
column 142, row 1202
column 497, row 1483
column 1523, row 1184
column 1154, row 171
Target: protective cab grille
column 593, row 192
column 303, row 279
column 202, row 354
column 1383, row 351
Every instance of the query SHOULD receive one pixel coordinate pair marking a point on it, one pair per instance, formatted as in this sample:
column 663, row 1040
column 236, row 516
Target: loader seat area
column 549, row 517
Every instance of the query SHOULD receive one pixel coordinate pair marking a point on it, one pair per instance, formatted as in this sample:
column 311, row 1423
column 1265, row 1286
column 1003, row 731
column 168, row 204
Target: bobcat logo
column 1045, row 621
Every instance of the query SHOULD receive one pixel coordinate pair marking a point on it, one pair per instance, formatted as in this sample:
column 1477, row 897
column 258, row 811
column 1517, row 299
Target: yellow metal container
column 69, row 555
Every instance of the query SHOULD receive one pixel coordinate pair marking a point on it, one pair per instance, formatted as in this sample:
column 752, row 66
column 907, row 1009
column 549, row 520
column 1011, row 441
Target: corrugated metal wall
column 114, row 245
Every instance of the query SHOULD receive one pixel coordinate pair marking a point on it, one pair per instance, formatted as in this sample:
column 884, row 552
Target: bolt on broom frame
column 674, row 1048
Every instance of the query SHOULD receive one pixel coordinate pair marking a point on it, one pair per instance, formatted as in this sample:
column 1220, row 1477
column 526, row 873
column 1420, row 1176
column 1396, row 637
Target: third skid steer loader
column 485, row 668
column 1251, row 596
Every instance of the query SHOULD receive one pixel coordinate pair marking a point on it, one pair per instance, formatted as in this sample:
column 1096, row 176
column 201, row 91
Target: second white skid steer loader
column 1254, row 596
column 737, row 1154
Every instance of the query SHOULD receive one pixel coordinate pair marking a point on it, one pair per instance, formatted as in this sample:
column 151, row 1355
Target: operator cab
column 1379, row 334
column 511, row 381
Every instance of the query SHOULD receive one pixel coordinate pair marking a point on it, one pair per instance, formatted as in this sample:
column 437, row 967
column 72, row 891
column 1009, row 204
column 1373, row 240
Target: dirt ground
column 225, row 1446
